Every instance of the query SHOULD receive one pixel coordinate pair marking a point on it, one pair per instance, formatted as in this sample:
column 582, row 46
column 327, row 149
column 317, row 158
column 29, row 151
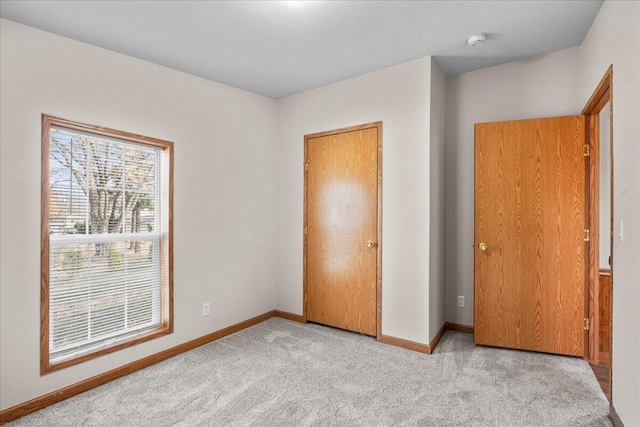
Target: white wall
column 542, row 86
column 224, row 190
column 614, row 38
column 399, row 97
column 437, row 238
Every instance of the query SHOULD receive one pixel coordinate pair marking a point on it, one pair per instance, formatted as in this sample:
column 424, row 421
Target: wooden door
column 530, row 249
column 342, row 241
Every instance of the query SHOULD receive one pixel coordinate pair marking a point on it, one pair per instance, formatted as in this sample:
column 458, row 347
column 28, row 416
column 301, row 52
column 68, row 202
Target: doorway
column 342, row 228
column 599, row 113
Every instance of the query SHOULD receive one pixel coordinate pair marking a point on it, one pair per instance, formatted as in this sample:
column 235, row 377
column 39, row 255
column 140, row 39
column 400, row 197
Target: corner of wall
column 437, row 200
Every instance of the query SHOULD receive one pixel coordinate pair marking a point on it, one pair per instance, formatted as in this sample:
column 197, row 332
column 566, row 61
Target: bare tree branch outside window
column 117, row 182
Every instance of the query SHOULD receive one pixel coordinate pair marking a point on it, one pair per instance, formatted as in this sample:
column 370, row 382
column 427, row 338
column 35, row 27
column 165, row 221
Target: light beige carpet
column 281, row 373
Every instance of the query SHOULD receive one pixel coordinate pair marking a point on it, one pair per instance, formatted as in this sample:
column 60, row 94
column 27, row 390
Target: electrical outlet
column 206, row 309
column 461, row 302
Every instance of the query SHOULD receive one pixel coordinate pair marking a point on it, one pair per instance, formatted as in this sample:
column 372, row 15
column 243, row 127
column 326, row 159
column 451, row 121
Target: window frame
column 166, row 312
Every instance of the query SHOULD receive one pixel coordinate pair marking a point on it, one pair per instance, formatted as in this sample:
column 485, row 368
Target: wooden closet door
column 342, row 225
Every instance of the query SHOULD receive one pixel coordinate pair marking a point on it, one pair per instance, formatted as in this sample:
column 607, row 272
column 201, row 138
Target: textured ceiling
column 278, row 48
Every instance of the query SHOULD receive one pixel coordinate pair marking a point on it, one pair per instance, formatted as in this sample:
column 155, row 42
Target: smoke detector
column 477, row 39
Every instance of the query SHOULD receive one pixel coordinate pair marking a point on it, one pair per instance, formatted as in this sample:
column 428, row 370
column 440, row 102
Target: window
column 106, row 276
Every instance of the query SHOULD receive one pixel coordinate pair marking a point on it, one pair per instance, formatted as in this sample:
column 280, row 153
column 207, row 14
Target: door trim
column 601, row 95
column 378, row 126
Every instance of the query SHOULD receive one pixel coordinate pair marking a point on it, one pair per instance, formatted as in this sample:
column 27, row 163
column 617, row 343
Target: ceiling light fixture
column 293, row 4
column 477, row 39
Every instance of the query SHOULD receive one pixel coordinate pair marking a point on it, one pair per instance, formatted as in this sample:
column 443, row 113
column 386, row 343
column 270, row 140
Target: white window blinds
column 108, row 227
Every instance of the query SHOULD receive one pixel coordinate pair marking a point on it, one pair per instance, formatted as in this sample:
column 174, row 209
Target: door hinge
column 305, row 230
column 305, row 297
column 306, row 164
column 586, row 235
column 587, row 150
column 586, row 323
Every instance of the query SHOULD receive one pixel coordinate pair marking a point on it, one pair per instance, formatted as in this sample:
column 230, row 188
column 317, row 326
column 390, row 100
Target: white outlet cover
column 206, row 309
column 461, row 301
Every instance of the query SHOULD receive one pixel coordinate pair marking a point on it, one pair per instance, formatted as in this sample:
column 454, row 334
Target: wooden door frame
column 378, row 126
column 601, row 95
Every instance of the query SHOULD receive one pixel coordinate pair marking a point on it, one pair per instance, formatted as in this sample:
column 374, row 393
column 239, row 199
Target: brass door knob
column 482, row 246
column 371, row 243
